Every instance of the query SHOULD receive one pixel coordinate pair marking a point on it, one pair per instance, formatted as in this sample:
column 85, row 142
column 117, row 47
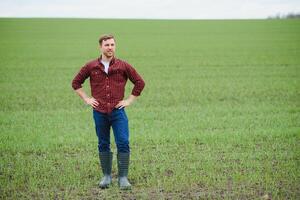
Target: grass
column 218, row 119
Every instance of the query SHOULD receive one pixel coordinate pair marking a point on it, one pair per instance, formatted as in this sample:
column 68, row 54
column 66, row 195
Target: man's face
column 108, row 48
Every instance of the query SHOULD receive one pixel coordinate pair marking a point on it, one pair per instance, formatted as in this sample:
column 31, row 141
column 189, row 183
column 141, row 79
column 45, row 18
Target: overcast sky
column 149, row 9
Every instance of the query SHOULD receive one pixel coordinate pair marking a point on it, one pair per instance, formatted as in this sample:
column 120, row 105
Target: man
column 108, row 76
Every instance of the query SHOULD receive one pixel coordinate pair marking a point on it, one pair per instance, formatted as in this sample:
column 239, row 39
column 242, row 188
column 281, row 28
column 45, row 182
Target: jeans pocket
column 124, row 114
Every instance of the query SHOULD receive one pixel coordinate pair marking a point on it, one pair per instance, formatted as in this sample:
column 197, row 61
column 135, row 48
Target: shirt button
column 106, row 78
column 107, row 86
column 108, row 95
column 108, row 104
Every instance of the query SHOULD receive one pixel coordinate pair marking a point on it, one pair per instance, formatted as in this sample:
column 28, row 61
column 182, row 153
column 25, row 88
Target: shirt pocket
column 96, row 76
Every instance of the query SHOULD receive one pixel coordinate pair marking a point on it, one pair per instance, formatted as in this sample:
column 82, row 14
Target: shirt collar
column 110, row 63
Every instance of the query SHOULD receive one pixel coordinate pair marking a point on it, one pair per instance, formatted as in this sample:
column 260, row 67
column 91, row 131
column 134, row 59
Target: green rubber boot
column 106, row 163
column 123, row 164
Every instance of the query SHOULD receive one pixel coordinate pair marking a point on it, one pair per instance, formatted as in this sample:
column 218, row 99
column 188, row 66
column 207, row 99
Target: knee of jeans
column 103, row 147
column 123, row 148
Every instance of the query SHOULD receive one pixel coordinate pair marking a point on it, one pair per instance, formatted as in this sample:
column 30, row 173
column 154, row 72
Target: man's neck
column 106, row 59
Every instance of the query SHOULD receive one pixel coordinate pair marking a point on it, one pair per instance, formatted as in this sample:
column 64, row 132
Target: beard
column 109, row 54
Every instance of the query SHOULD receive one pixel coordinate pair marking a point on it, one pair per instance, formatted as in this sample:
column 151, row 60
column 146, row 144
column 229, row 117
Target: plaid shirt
column 108, row 89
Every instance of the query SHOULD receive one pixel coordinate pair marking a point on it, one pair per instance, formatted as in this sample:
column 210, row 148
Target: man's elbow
column 75, row 85
column 141, row 84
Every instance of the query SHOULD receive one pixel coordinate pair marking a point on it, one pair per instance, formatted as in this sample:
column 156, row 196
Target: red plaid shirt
column 108, row 89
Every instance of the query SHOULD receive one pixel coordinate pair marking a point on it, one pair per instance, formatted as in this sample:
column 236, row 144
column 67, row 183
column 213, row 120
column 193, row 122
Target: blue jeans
column 118, row 120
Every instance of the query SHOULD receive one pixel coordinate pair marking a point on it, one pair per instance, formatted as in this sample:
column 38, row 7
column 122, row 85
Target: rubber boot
column 123, row 164
column 106, row 163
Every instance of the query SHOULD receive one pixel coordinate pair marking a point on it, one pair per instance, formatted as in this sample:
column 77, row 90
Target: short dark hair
column 105, row 37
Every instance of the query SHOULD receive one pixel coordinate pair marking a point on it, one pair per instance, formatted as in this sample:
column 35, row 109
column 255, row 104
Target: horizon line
column 104, row 18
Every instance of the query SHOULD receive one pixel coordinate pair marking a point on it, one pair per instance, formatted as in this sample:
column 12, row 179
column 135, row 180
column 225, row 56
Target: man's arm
column 139, row 85
column 88, row 100
column 136, row 79
column 77, row 82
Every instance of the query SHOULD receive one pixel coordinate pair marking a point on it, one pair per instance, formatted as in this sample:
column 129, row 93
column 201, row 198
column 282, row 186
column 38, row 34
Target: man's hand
column 91, row 101
column 127, row 102
column 122, row 104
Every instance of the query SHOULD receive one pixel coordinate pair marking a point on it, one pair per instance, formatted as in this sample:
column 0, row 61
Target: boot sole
column 125, row 188
column 104, row 186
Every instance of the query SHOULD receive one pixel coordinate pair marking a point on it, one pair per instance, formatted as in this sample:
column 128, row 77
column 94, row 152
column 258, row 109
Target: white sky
column 149, row 9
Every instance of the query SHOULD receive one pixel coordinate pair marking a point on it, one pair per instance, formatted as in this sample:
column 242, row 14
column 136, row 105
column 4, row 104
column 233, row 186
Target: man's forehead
column 108, row 41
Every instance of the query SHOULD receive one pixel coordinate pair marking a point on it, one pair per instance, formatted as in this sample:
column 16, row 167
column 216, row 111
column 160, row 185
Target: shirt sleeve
column 136, row 79
column 79, row 79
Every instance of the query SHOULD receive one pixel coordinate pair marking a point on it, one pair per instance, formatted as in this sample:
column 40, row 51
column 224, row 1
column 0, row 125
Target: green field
column 219, row 117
